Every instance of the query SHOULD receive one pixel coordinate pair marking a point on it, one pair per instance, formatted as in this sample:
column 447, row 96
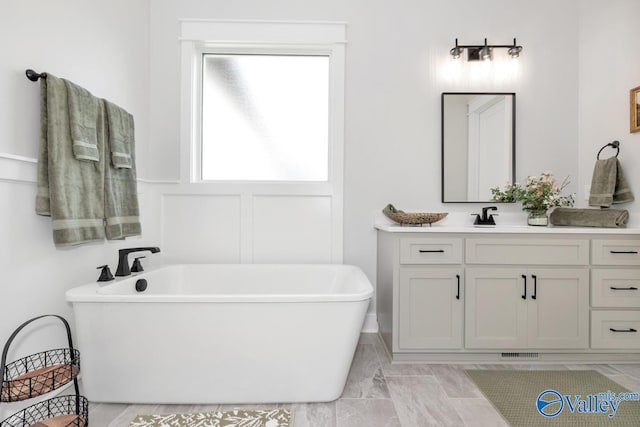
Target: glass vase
column 538, row 218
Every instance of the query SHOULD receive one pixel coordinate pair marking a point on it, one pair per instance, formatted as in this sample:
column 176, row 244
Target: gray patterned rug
column 558, row 398
column 234, row 418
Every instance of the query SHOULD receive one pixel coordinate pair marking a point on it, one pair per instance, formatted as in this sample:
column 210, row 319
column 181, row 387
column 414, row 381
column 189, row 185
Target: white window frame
column 258, row 37
column 283, row 37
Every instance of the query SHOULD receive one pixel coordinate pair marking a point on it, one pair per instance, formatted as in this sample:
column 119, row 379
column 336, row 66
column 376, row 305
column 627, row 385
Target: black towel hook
column 33, row 76
column 614, row 144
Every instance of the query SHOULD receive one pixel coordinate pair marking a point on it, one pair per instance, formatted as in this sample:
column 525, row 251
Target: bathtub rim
column 89, row 293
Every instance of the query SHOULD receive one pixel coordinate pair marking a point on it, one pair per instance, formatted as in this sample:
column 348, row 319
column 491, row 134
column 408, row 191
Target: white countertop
column 504, row 229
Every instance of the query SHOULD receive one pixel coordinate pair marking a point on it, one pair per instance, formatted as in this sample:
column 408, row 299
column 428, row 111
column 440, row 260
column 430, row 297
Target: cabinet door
column 430, row 308
column 558, row 308
column 495, row 312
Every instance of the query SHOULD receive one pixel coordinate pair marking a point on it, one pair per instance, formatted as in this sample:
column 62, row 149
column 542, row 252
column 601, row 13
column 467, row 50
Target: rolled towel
column 606, row 218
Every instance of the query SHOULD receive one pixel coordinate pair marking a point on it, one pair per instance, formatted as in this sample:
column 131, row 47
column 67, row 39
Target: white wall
column 572, row 97
column 396, row 67
column 102, row 46
column 608, row 69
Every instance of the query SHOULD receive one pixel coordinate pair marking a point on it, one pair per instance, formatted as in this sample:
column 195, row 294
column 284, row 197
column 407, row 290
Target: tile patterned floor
column 380, row 394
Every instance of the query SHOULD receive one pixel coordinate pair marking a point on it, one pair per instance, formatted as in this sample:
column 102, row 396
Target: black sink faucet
column 123, row 261
column 486, row 219
column 484, row 212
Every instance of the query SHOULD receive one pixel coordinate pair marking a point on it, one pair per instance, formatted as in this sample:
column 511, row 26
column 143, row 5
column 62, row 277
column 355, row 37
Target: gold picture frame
column 634, row 109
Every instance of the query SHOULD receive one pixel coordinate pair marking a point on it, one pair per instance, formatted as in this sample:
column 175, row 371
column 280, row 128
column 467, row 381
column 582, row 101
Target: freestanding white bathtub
column 221, row 333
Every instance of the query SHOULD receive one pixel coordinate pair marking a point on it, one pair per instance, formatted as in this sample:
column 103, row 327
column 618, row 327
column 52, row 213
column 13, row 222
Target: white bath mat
column 234, row 418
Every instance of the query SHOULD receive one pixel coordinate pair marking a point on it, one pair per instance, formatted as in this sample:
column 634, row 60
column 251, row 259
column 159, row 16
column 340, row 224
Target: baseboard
column 370, row 323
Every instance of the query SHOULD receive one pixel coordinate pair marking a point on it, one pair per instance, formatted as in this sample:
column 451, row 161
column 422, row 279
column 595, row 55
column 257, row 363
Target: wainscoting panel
column 292, row 229
column 201, row 228
column 17, row 168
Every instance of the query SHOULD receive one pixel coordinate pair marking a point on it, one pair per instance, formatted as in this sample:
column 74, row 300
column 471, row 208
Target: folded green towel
column 606, row 218
column 83, row 116
column 608, row 184
column 121, row 135
column 69, row 190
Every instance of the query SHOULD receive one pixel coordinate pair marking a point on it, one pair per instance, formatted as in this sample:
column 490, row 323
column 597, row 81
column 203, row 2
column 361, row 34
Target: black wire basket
column 60, row 411
column 41, row 373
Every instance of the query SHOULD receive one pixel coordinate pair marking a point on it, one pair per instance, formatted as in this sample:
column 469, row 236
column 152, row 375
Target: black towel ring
column 614, row 144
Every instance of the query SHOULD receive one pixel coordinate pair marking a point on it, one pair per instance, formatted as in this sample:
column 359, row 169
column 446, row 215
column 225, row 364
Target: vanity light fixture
column 484, row 51
column 456, row 51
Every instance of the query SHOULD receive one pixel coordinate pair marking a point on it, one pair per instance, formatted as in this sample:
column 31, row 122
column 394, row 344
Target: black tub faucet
column 123, row 261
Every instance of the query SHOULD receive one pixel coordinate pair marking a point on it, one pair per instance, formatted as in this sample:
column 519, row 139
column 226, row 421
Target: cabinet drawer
column 615, row 252
column 615, row 329
column 615, row 288
column 527, row 252
column 430, row 251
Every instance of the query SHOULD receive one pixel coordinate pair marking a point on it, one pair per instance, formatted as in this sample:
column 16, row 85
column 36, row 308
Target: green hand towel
column 608, row 184
column 607, row 218
column 121, row 135
column 603, row 182
column 69, row 190
column 83, row 116
column 622, row 193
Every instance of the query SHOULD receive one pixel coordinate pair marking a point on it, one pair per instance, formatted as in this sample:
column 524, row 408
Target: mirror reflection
column 478, row 144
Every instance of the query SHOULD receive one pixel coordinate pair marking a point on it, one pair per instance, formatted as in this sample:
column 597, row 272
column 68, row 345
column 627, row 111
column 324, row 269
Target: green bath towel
column 85, row 195
column 121, row 190
column 71, row 191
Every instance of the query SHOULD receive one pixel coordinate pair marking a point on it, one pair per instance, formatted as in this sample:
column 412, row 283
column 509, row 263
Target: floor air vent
column 520, row 355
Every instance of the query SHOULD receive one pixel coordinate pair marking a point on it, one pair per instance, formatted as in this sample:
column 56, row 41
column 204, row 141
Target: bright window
column 265, row 117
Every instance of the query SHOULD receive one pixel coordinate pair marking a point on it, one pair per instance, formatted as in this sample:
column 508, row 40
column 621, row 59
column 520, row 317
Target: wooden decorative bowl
column 415, row 218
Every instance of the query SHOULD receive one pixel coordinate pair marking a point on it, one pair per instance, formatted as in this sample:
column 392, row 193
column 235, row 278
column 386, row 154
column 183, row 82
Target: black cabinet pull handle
column 535, row 286
column 422, row 251
column 524, row 296
column 630, row 288
column 622, row 330
column 458, row 294
column 623, row 252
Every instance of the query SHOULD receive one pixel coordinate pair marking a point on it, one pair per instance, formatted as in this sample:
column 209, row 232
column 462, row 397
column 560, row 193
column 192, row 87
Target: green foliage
column 539, row 193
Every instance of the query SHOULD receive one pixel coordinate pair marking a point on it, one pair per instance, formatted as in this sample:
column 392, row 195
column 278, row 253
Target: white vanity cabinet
column 615, row 294
column 518, row 308
column 485, row 295
column 541, row 285
column 430, row 308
